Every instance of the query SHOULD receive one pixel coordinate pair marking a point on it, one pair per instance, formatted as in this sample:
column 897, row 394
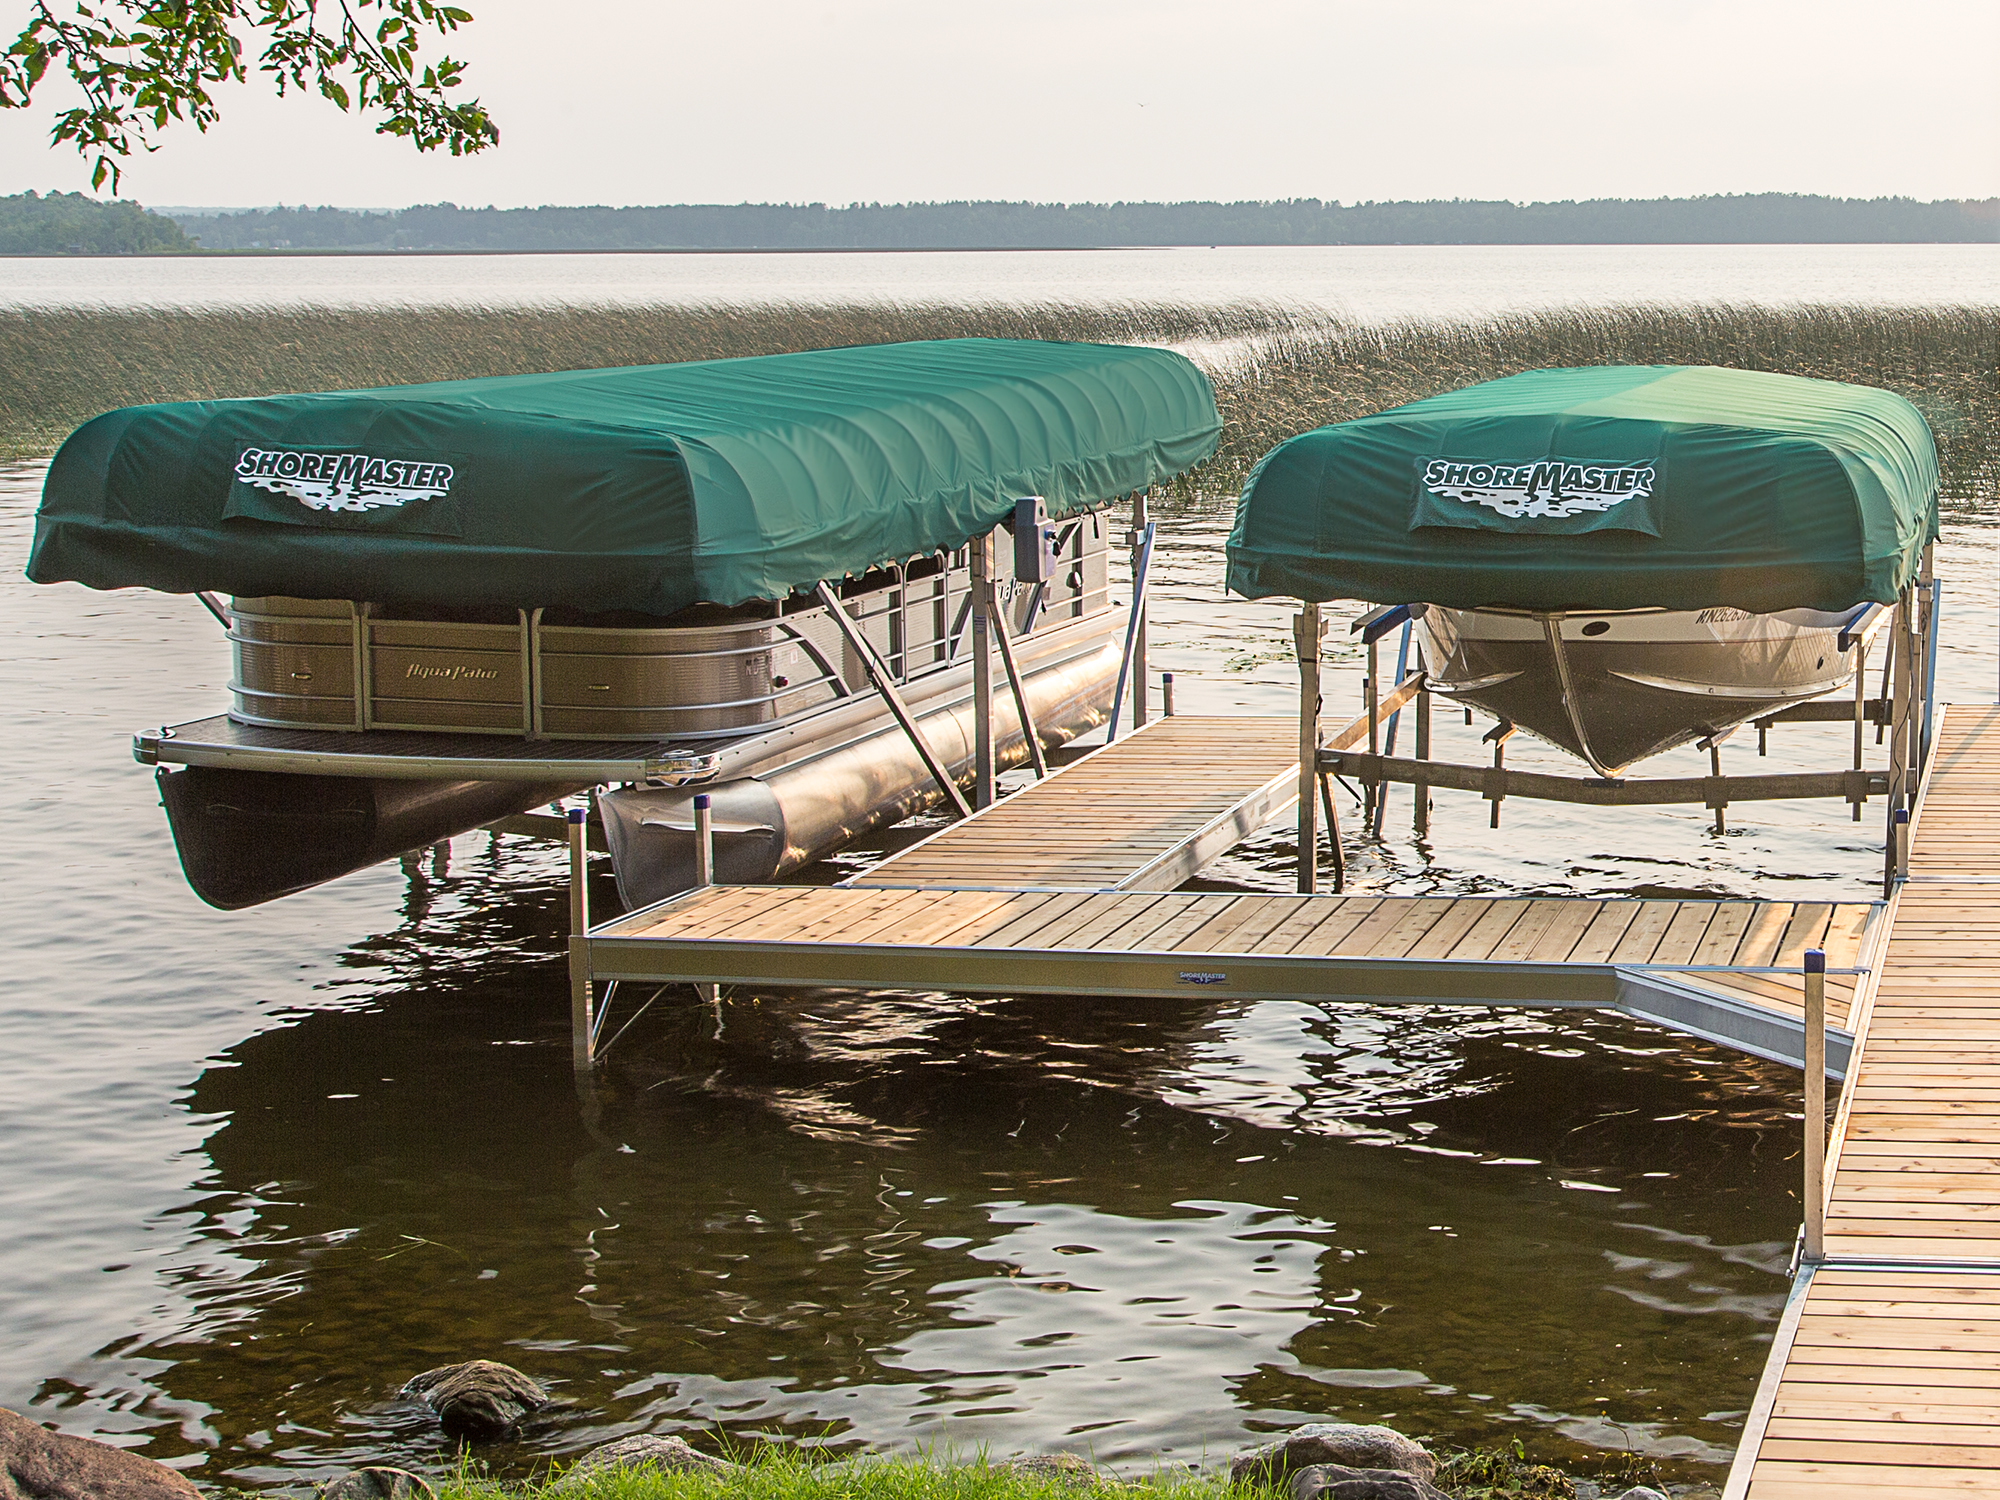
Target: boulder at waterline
column 377, row 1484
column 1335, row 1482
column 480, row 1399
column 1642, row 1492
column 36, row 1464
column 666, row 1455
column 1343, row 1444
column 1063, row 1468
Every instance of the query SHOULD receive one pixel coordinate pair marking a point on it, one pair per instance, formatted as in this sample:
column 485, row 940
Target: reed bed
column 1945, row 361
column 59, row 368
column 1277, row 371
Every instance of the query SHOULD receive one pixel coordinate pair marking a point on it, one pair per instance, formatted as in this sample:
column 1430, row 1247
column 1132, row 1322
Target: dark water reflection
column 1140, row 1229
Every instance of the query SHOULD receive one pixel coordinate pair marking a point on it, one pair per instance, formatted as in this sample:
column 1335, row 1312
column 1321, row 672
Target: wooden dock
column 1478, row 950
column 1069, row 887
column 1142, row 814
column 1885, row 1375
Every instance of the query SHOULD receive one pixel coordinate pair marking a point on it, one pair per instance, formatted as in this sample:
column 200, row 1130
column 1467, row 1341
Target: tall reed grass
column 59, row 368
column 1945, row 361
column 1277, row 371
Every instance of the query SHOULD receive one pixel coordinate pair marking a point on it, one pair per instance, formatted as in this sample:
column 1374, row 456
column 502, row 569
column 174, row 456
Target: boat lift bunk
column 449, row 604
column 1618, row 557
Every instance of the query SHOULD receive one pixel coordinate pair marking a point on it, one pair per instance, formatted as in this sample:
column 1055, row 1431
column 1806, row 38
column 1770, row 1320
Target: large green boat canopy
column 1604, row 488
column 645, row 489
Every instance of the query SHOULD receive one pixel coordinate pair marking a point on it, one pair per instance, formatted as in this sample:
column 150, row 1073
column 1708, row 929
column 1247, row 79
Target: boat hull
column 247, row 837
column 1615, row 688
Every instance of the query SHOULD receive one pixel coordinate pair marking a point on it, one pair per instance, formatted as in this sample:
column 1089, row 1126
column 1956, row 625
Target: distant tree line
column 60, row 223
column 1763, row 218
column 71, row 222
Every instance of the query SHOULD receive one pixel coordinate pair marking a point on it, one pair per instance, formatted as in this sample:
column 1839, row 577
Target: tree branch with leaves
column 142, row 64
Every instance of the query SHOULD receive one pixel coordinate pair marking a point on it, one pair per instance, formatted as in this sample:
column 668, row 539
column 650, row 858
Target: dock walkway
column 1885, row 1375
column 1142, row 814
column 1070, row 887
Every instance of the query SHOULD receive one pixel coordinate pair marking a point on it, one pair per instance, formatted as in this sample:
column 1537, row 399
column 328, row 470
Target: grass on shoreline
column 768, row 1472
column 1277, row 371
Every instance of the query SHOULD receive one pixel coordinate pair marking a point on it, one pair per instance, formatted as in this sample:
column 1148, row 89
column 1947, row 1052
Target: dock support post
column 1307, row 631
column 1860, row 706
column 1141, row 527
column 1815, row 1111
column 704, row 839
column 981, row 548
column 1901, row 651
column 1422, row 789
column 704, row 872
column 1371, row 693
column 582, row 1024
column 1166, row 695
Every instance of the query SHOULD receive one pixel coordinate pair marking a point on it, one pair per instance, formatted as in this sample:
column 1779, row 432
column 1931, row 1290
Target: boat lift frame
column 1904, row 712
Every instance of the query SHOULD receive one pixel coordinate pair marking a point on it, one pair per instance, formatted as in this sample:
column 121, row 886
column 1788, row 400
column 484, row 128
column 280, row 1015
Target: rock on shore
column 665, row 1455
column 1335, row 1482
column 378, row 1483
column 1340, row 1444
column 36, row 1464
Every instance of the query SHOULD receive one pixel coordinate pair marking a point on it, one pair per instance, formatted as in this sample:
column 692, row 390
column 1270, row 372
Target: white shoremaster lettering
column 1193, row 976
column 1547, row 487
column 342, row 481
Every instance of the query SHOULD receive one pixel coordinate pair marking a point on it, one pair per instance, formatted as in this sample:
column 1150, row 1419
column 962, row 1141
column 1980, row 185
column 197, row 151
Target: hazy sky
column 646, row 101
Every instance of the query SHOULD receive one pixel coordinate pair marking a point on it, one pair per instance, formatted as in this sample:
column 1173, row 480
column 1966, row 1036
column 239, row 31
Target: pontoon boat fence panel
column 647, row 489
column 297, row 661
column 1604, row 488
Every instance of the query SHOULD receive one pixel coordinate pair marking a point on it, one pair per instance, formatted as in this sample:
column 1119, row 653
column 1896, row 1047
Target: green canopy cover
column 1604, row 488
column 647, row 489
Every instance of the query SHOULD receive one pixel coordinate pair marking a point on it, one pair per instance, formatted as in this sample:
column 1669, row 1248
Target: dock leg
column 981, row 548
column 1815, row 1111
column 1422, row 789
column 1371, row 690
column 1900, row 736
column 1307, row 629
column 582, row 1023
column 704, row 870
column 1139, row 519
column 1860, row 706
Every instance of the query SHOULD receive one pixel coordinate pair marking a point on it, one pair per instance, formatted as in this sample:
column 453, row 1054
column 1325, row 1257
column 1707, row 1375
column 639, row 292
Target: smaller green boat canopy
column 646, row 489
column 1613, row 487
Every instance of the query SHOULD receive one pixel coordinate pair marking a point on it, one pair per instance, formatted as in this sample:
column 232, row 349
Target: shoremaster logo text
column 342, row 481
column 1545, row 488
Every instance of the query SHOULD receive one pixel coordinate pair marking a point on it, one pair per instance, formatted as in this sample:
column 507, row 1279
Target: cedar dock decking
column 1884, row 1375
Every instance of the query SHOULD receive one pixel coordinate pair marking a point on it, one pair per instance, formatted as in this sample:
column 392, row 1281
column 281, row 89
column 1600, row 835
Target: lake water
column 1371, row 283
column 261, row 1167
